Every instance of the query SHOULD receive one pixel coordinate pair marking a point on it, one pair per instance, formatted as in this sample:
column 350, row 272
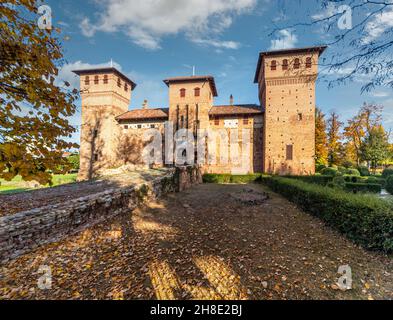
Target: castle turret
column 190, row 100
column 106, row 94
column 286, row 81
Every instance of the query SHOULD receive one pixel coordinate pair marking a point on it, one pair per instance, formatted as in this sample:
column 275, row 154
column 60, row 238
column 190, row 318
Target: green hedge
column 363, row 187
column 389, row 185
column 330, row 172
column 228, row 178
column 364, row 219
column 364, row 171
column 387, row 173
column 318, row 179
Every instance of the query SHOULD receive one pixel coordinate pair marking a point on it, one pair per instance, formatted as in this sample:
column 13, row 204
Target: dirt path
column 203, row 244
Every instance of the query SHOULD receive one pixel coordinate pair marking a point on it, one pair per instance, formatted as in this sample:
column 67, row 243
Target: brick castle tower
column 286, row 80
column 106, row 94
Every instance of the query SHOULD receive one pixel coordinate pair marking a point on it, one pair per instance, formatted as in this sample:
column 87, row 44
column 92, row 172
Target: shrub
column 321, row 180
column 364, row 172
column 355, row 179
column 320, row 167
column 387, row 173
column 343, row 170
column 364, row 219
column 375, row 180
column 227, row 178
column 339, row 182
column 74, row 161
column 353, row 172
column 363, row 187
column 389, row 185
column 329, row 172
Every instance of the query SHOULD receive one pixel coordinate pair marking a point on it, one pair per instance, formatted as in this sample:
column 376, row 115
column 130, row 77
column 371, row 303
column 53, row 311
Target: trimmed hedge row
column 389, row 185
column 320, row 180
column 326, row 180
column 228, row 178
column 363, row 187
column 364, row 219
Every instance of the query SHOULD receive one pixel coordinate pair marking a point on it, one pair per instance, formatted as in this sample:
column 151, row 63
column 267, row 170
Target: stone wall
column 25, row 231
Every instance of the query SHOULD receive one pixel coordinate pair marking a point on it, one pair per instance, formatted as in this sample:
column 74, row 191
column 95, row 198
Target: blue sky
column 150, row 40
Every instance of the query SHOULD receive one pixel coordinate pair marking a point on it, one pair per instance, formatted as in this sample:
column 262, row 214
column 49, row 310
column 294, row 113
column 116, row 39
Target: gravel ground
column 14, row 203
column 203, row 244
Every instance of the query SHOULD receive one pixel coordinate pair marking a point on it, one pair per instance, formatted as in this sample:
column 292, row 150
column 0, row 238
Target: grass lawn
column 18, row 185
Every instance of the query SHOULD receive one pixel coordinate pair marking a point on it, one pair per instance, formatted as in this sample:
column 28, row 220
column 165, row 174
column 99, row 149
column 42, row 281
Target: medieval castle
column 282, row 139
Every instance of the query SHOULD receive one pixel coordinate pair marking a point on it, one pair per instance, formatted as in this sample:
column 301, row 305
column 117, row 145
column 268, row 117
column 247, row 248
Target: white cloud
column 217, row 43
column 287, row 40
column 380, row 94
column 379, row 24
column 146, row 22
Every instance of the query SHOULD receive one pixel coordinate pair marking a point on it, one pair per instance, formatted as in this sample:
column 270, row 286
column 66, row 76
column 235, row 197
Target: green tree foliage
column 74, row 160
column 321, row 145
column 33, row 109
column 375, row 148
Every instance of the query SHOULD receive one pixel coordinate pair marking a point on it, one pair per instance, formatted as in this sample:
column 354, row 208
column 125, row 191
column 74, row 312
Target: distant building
column 281, row 137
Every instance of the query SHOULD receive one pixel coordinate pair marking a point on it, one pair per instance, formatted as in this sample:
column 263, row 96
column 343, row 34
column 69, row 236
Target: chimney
column 231, row 100
column 145, row 105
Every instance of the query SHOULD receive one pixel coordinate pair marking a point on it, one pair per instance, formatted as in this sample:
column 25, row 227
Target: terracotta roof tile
column 142, row 114
column 236, row 110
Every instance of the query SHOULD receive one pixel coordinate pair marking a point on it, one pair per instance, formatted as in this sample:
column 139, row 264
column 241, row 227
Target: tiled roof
column 194, row 79
column 142, row 114
column 103, row 71
column 236, row 110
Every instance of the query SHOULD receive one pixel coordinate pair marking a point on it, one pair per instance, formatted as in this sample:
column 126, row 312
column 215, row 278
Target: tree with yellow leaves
column 359, row 127
column 335, row 147
column 33, row 109
column 321, row 148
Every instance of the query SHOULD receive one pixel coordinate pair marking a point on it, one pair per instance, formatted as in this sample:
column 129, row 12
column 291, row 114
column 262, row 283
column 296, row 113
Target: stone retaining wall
column 25, row 231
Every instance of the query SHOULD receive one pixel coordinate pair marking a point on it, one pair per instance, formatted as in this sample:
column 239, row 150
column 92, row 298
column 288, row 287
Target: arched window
column 87, row 80
column 297, row 63
column 308, row 62
column 96, row 80
column 285, row 64
column 197, row 92
column 106, row 79
column 273, row 66
column 182, row 93
column 119, row 82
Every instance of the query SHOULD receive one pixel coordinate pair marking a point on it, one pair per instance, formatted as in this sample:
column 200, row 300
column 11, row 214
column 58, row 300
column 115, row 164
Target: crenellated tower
column 106, row 94
column 286, row 80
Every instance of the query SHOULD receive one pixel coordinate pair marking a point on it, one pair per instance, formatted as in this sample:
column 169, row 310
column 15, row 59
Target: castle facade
column 276, row 137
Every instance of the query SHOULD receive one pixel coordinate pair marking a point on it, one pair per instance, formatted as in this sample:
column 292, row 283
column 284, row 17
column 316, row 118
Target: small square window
column 139, row 126
column 216, row 122
column 126, row 127
column 152, row 126
column 300, row 116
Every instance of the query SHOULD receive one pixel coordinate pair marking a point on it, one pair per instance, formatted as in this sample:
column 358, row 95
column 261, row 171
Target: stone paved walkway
column 203, row 244
column 13, row 203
